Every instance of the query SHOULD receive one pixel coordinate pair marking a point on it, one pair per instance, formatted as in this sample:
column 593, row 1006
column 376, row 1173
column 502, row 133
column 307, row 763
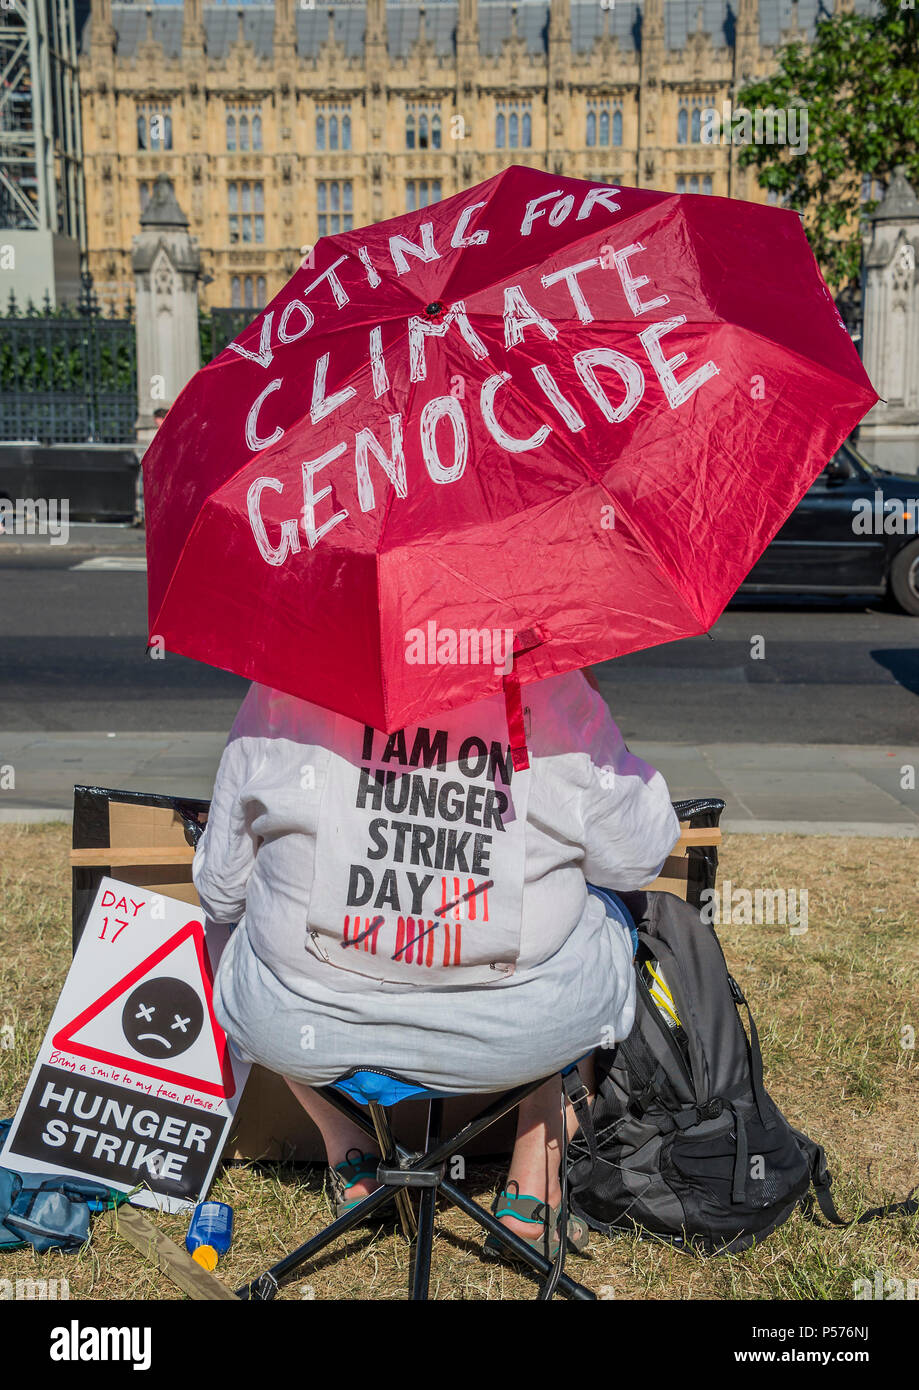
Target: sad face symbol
column 162, row 1018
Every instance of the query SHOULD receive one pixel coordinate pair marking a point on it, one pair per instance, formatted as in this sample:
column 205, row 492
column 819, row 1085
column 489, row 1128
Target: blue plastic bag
column 48, row 1211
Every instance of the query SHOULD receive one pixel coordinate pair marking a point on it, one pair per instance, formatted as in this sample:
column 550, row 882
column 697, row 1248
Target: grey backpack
column 682, row 1143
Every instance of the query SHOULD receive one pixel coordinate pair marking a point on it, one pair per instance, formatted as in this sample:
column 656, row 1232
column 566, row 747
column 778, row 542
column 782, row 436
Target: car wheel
column 904, row 578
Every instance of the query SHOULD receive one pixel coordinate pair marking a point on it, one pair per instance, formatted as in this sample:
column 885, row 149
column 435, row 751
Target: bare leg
column 339, row 1134
column 536, row 1160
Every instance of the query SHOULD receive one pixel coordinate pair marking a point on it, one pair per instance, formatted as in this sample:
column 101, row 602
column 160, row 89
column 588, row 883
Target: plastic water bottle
column 210, row 1233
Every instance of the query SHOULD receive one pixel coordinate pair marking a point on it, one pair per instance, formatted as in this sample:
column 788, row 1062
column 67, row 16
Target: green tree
column 859, row 84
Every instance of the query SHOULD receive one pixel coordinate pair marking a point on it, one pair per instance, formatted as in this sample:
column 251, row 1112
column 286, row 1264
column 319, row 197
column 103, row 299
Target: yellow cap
column 206, row 1256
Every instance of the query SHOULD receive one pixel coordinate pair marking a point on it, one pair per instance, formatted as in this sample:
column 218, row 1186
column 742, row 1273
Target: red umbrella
column 544, row 416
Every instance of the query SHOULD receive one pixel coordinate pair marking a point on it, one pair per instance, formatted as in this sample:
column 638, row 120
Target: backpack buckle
column 579, row 1096
column 737, row 993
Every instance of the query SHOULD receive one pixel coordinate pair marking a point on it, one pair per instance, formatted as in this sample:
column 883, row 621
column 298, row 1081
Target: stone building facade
column 278, row 123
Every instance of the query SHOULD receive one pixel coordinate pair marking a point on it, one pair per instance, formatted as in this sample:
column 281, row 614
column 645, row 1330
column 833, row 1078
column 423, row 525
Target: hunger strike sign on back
column 420, row 851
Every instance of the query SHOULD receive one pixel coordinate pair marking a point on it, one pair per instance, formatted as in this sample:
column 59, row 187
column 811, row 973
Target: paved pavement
column 827, row 789
column 100, row 537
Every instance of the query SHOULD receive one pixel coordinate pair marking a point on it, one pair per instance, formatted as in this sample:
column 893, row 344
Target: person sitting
column 413, row 902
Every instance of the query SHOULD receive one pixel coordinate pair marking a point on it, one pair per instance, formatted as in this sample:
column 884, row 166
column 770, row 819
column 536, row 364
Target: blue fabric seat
column 383, row 1088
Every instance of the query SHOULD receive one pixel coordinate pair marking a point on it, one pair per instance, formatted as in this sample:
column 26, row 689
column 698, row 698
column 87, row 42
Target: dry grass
column 830, row 1005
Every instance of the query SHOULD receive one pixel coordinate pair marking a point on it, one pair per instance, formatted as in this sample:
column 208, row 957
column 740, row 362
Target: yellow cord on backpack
column 664, row 1003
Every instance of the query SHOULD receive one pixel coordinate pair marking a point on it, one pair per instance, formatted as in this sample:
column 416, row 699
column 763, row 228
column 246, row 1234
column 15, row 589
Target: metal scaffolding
column 41, row 153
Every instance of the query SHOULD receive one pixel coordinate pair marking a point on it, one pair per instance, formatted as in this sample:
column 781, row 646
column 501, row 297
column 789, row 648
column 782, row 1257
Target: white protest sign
column 134, row 1083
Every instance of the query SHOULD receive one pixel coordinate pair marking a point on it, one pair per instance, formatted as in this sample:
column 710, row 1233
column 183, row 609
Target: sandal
column 531, row 1209
column 345, row 1175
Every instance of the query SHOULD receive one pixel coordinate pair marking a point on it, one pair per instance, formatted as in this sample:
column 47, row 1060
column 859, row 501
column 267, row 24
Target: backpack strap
column 578, row 1097
column 822, row 1179
column 756, row 1058
column 741, row 1158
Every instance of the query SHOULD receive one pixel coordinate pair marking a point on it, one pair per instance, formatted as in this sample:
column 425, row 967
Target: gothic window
column 707, row 184
column 334, row 204
column 682, row 126
column 154, row 126
column 233, row 195
column 420, row 193
column 591, row 128
column 260, row 292
column 422, row 126
column 681, row 184
column 604, row 126
column 333, row 126
column 246, row 208
column 250, row 298
column 244, row 127
column 617, row 127
column 696, row 125
column 513, row 125
column 236, row 293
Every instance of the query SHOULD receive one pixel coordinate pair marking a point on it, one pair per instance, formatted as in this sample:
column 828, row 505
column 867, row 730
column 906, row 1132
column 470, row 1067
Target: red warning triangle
column 64, row 1040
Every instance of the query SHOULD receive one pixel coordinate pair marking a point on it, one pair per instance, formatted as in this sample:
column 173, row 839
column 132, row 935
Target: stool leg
column 266, row 1285
column 537, row 1262
column 388, row 1150
column 424, row 1245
